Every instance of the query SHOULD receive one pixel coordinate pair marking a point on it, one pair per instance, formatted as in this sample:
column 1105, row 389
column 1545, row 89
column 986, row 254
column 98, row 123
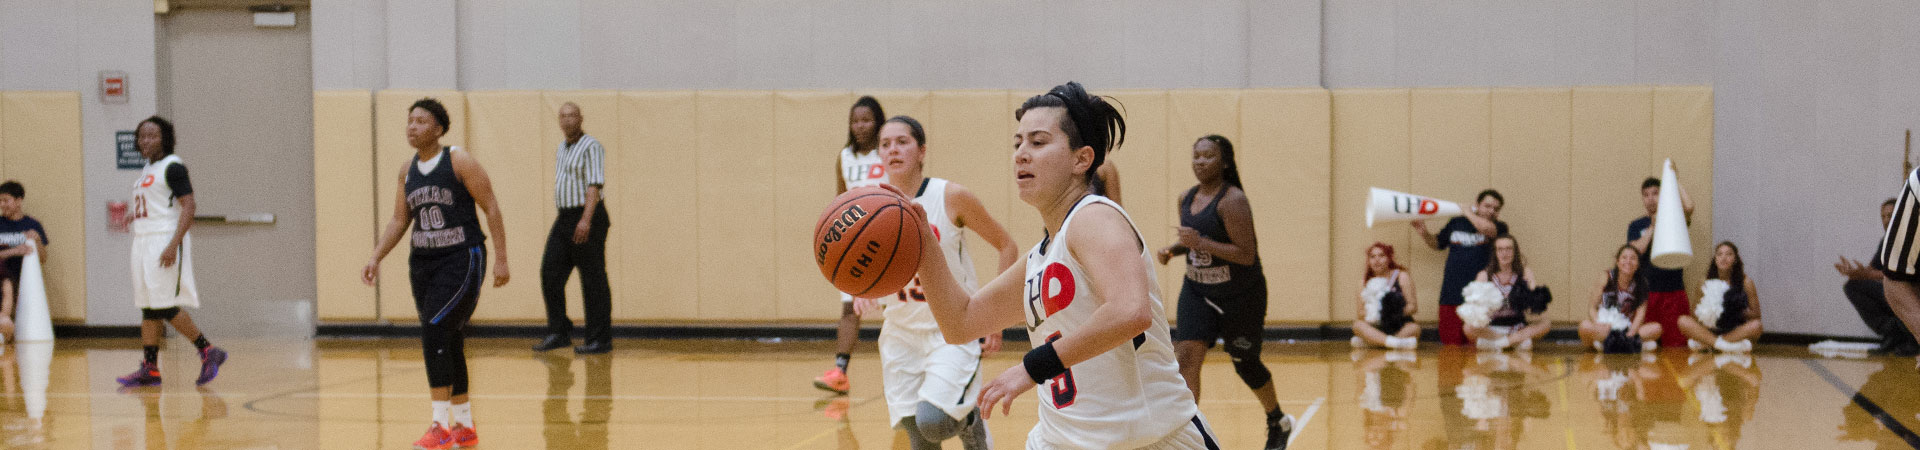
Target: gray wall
column 767, row 44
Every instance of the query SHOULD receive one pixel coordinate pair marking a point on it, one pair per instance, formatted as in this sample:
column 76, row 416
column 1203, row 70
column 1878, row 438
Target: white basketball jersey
column 908, row 309
column 153, row 208
column 1128, row 397
column 862, row 170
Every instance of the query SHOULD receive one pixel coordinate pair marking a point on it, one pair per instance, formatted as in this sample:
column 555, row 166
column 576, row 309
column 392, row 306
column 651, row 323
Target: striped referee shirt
column 575, row 168
column 1898, row 252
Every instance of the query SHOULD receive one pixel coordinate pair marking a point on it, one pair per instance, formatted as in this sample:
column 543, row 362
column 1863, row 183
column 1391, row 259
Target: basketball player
column 163, row 255
column 1087, row 296
column 859, row 166
column 931, row 385
column 1224, row 295
column 439, row 189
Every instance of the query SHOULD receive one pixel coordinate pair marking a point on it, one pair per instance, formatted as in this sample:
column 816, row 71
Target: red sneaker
column 833, row 380
column 463, row 437
column 436, row 438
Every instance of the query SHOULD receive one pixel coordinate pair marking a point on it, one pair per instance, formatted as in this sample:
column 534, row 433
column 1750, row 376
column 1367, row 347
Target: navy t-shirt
column 1467, row 255
column 13, row 233
column 1658, row 279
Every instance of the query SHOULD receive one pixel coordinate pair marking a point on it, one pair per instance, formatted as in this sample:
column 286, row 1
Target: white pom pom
column 1712, row 409
column 1377, row 288
column 1477, row 399
column 1612, row 318
column 1713, row 301
column 1482, row 298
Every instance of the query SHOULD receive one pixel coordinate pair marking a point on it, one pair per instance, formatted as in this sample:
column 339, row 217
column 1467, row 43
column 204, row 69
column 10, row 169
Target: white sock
column 440, row 412
column 1396, row 342
column 1525, row 345
column 1647, row 346
column 463, row 414
column 1741, row 346
column 1357, row 342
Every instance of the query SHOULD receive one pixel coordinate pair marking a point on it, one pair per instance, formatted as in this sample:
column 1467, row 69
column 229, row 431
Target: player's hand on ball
column 1004, row 388
column 865, row 306
column 371, row 273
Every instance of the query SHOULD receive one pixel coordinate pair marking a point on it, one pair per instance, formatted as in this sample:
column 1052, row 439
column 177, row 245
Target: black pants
column 557, row 264
column 1870, row 301
column 446, row 287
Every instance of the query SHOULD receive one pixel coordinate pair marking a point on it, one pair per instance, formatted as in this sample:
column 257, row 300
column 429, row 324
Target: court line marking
column 1300, row 426
column 1892, row 423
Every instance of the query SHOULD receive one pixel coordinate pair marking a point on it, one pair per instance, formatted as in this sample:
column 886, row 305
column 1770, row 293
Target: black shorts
column 446, row 286
column 1208, row 313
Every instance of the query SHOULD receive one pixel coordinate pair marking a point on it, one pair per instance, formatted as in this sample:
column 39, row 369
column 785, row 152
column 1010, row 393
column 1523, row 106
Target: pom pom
column 1612, row 318
column 1482, row 298
column 1377, row 288
column 1713, row 301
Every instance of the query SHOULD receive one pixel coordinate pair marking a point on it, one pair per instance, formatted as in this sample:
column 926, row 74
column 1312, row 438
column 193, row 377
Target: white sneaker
column 1648, row 346
column 1492, row 344
column 1357, row 342
column 1742, row 346
column 1400, row 343
column 1599, row 346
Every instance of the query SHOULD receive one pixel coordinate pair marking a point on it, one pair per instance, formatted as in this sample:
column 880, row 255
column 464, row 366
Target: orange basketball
column 867, row 243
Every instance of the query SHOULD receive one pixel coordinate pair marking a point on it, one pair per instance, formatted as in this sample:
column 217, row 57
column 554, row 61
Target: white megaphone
column 1672, row 247
column 1388, row 205
column 32, row 321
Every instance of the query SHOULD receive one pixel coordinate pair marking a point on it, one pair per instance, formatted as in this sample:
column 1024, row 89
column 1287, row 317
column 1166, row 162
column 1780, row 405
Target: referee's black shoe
column 593, row 348
column 551, row 342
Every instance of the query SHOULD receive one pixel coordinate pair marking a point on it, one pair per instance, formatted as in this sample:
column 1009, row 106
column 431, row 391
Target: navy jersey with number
column 444, row 216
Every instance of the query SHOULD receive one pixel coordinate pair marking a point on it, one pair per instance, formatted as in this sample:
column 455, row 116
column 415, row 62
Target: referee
column 1899, row 256
column 578, row 239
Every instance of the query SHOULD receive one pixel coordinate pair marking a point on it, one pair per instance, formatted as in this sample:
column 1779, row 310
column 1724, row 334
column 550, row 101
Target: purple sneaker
column 210, row 361
column 148, row 375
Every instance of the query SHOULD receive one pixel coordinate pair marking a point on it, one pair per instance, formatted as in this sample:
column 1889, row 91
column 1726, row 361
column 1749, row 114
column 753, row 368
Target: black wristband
column 1043, row 364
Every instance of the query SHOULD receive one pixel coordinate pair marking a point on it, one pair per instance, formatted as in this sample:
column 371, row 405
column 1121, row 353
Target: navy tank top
column 1203, row 268
column 444, row 218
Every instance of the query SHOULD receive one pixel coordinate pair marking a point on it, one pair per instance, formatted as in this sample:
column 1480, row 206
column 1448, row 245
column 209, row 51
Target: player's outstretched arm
column 965, row 317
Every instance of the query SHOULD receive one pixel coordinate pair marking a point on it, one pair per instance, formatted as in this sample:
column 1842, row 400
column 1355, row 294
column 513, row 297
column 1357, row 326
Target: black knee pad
column 159, row 314
column 1246, row 362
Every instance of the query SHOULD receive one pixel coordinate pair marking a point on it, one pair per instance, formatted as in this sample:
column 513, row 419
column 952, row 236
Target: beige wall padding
column 809, row 129
column 735, row 144
column 40, row 147
column 659, row 218
column 1371, row 136
column 1612, row 142
column 1530, row 150
column 1284, row 155
column 344, row 216
column 688, row 184
column 506, row 139
column 969, row 136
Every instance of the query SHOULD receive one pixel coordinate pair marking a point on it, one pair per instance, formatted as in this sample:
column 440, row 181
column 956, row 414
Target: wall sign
column 113, row 87
column 127, row 151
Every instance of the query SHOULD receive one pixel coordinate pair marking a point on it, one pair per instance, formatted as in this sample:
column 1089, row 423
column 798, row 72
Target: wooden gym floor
column 743, row 394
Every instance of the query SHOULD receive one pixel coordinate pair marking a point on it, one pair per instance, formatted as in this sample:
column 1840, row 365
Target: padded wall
column 693, row 177
column 40, row 147
column 344, row 216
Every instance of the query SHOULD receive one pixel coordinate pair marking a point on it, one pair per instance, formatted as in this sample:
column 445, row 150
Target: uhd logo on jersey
column 146, row 181
column 1054, row 288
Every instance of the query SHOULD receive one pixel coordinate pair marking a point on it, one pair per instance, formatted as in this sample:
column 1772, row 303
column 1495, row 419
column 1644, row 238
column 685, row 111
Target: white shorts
column 156, row 287
column 1195, row 435
column 921, row 366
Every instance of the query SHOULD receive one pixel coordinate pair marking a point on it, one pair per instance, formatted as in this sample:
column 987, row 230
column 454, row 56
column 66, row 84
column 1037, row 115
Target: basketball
column 868, row 242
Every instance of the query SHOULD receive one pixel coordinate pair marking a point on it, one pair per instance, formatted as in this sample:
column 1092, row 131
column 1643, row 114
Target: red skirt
column 1666, row 308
